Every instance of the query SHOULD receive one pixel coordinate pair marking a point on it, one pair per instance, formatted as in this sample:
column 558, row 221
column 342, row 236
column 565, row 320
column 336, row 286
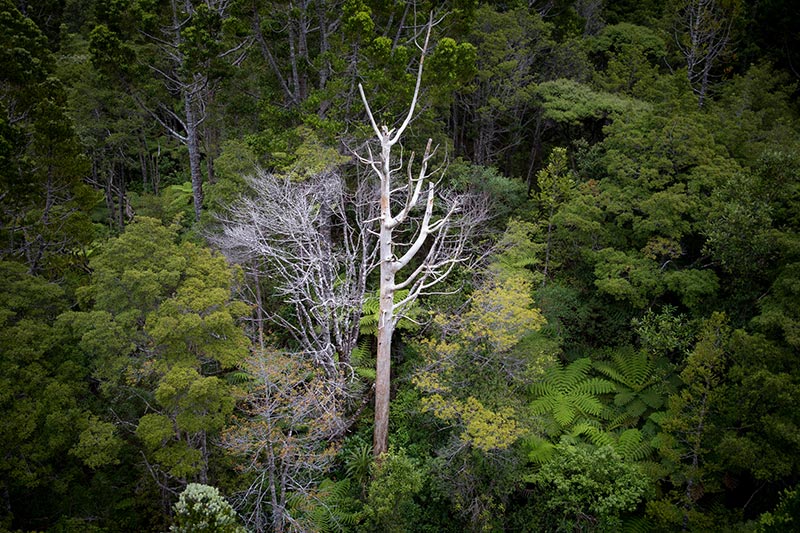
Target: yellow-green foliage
column 485, row 429
column 502, row 314
column 480, row 350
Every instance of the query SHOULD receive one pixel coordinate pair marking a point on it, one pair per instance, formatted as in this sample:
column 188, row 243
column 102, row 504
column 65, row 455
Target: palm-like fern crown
column 568, row 394
column 327, row 510
column 638, row 387
column 370, row 310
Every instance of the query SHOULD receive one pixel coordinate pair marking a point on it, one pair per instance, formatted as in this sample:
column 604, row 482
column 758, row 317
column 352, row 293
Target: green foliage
column 332, row 509
column 371, row 308
column 44, row 202
column 689, row 427
column 358, row 461
column 158, row 317
column 554, row 181
column 754, row 112
column 569, row 102
column 588, row 489
column 54, row 443
column 189, row 407
column 98, row 444
column 508, row 195
column 109, row 55
column 628, row 58
column 451, row 66
column 760, row 421
column 202, row 508
column 630, row 444
column 490, row 334
column 568, row 395
column 391, row 504
column 784, row 517
column 665, row 333
column 627, row 276
column 641, row 383
column 519, row 253
column 646, row 217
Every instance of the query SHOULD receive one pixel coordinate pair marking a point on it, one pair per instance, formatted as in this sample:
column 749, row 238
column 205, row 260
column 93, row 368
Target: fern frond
column 544, row 404
column 632, row 446
column 360, row 352
column 653, row 470
column 593, row 386
column 539, row 450
column 653, row 398
column 593, row 433
column 637, row 366
column 576, row 371
column 624, row 397
column 238, row 377
column 564, row 414
column 329, row 512
column 544, row 388
column 588, row 404
column 367, row 373
column 610, row 371
column 658, row 418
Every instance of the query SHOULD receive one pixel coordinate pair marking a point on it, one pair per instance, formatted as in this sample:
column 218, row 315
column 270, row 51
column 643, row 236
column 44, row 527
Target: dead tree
column 285, row 439
column 438, row 243
column 310, row 239
column 703, row 34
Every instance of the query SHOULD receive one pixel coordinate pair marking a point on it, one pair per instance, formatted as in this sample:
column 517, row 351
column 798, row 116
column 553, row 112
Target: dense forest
column 363, row 265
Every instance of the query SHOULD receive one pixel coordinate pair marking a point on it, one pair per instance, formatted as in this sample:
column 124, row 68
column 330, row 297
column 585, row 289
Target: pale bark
column 444, row 239
column 702, row 36
column 318, row 257
column 195, row 89
column 287, row 439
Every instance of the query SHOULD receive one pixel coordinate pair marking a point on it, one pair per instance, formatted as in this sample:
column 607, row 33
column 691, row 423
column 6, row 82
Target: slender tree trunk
column 535, row 149
column 386, row 315
column 193, row 144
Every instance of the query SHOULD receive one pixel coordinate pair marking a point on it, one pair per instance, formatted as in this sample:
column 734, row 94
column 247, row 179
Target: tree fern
column 633, row 446
column 567, row 395
column 371, row 308
column 238, row 377
column 640, row 387
column 539, row 450
column 329, row 510
column 362, row 360
column 594, row 433
column 369, row 315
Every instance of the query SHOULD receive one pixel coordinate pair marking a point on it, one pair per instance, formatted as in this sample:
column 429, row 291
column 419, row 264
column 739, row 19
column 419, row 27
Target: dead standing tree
column 309, row 239
column 438, row 243
column 703, row 33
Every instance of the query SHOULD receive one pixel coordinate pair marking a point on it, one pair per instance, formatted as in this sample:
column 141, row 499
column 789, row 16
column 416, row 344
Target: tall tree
column 193, row 41
column 43, row 199
column 446, row 246
column 702, row 35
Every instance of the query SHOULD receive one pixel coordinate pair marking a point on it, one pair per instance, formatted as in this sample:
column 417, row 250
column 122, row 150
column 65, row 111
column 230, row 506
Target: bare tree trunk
column 193, row 144
column 385, row 318
column 703, row 34
column 445, row 249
